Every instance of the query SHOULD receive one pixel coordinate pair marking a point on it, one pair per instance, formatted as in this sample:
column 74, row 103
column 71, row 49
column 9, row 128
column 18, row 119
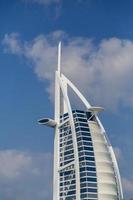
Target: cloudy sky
column 97, row 55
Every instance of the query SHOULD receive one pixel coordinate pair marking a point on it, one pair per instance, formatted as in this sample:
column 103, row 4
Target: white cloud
column 118, row 153
column 12, row 162
column 103, row 72
column 25, row 175
column 12, row 43
column 127, row 185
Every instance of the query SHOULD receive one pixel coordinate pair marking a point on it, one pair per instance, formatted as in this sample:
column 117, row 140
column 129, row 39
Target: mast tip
column 59, row 57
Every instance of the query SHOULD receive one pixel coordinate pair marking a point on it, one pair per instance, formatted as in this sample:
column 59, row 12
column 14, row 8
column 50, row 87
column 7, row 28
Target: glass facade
column 87, row 168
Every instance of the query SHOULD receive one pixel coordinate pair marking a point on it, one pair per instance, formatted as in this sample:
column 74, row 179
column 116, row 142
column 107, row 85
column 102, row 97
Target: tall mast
column 59, row 57
column 57, row 86
column 57, row 119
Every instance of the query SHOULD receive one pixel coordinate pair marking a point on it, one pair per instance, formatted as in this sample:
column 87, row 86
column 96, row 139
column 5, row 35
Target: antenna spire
column 59, row 57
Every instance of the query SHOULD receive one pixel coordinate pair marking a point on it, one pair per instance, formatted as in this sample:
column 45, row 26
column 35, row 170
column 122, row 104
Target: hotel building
column 85, row 166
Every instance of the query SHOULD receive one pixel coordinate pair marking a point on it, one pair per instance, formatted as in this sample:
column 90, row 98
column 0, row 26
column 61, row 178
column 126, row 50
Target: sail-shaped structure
column 85, row 167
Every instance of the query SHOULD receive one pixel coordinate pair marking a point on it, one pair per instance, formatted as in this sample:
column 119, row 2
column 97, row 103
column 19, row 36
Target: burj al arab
column 85, row 166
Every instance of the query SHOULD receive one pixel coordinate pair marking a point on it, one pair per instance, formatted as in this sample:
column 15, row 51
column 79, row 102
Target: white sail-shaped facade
column 85, row 167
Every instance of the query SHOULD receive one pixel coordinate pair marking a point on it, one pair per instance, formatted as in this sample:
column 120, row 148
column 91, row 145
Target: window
column 71, row 192
column 84, row 138
column 91, row 169
column 81, row 120
column 88, row 114
column 83, row 195
column 88, row 148
column 89, row 153
column 87, row 164
column 92, row 195
column 82, row 185
column 68, row 152
column 82, row 174
column 68, row 157
column 87, row 143
column 86, row 158
column 84, row 134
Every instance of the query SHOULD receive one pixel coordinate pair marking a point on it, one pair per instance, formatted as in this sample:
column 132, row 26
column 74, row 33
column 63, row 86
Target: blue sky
column 97, row 40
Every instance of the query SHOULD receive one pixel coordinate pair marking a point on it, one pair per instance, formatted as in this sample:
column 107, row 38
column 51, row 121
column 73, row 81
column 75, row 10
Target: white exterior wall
column 107, row 185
